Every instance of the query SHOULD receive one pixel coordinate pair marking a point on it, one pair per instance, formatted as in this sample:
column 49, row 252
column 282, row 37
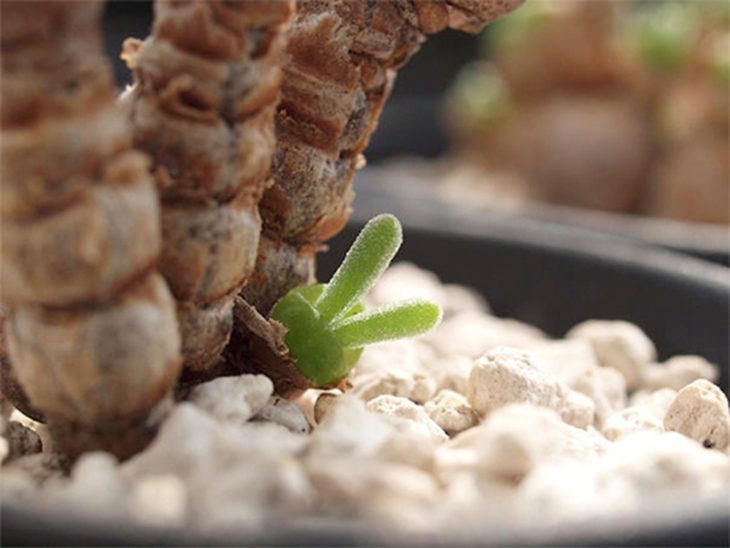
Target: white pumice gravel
column 287, row 414
column 678, row 371
column 618, row 344
column 452, row 412
column 233, row 399
column 483, row 421
column 700, row 411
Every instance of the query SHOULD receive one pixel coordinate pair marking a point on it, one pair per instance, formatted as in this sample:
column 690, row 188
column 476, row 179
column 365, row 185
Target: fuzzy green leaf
column 396, row 321
column 366, row 260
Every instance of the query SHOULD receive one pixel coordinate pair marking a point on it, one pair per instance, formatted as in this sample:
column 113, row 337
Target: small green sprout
column 327, row 324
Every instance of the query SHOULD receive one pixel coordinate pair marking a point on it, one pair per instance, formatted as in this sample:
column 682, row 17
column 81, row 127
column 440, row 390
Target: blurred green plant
column 327, row 325
column 479, row 97
column 720, row 60
column 513, row 30
column 665, row 33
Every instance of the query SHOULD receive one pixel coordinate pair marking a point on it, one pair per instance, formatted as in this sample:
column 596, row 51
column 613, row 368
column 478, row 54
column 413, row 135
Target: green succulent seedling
column 327, row 325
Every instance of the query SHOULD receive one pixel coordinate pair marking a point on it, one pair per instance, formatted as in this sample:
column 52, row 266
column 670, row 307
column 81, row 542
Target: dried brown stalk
column 91, row 329
column 203, row 103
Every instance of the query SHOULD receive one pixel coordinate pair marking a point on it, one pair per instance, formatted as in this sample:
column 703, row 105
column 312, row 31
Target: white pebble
column 349, row 430
column 233, row 399
column 629, row 421
column 658, row 463
column 323, row 404
column 569, row 360
column 452, row 412
column 472, row 334
column 406, row 281
column 191, row 441
column 393, row 493
column 285, row 413
column 618, row 344
column 655, row 402
column 159, row 500
column 415, row 385
column 516, row 438
column 575, row 408
column 96, row 486
column 679, row 371
column 700, row 411
column 406, row 409
column 452, row 373
column 508, row 375
column 4, row 450
column 246, row 494
column 607, row 388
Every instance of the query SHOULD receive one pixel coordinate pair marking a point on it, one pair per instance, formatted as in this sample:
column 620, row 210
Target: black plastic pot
column 545, row 274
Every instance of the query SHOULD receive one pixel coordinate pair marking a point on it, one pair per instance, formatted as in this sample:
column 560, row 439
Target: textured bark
column 340, row 64
column 206, row 86
column 339, row 68
column 91, row 329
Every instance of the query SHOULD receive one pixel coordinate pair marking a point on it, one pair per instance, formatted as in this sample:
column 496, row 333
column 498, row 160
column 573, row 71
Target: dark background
column 411, row 121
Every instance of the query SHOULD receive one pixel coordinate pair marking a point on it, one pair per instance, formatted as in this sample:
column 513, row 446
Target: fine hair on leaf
column 394, row 321
column 366, row 260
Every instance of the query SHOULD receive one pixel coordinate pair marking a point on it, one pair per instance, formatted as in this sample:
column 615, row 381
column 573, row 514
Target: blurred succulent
column 720, row 59
column 327, row 325
column 479, row 97
column 664, row 33
column 513, row 30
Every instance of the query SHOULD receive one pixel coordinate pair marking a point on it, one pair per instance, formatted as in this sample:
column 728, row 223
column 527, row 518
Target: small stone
column 21, row 441
column 508, row 375
column 700, row 411
column 516, row 438
column 233, row 399
column 191, row 441
column 452, row 373
column 96, row 486
column 654, row 402
column 607, row 388
column 415, row 385
column 678, row 371
column 473, row 333
column 324, row 404
column 159, row 500
column 349, row 430
column 4, row 449
column 285, row 413
column 576, row 409
column 655, row 464
column 452, row 412
column 387, row 492
column 40, row 467
column 569, row 360
column 618, row 344
column 406, row 409
column 629, row 421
